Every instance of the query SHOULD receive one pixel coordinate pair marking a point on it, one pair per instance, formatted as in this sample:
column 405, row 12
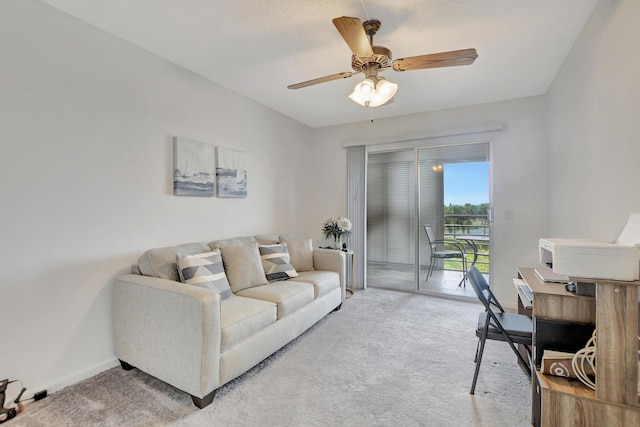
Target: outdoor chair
column 449, row 249
column 495, row 324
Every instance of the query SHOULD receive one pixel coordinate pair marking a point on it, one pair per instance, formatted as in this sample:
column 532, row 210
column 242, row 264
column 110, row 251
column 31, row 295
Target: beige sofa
column 199, row 337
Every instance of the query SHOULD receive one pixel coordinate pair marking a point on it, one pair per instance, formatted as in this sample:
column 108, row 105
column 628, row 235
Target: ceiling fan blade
column 435, row 60
column 324, row 79
column 353, row 33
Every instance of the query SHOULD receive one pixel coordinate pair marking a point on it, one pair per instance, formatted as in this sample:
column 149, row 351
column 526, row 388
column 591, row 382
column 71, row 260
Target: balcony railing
column 477, row 225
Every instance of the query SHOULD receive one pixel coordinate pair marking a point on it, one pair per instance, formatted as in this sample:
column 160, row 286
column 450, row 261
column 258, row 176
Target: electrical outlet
column 508, row 214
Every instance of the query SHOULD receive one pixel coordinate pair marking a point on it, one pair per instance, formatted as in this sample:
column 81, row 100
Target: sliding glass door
column 391, row 218
column 454, row 202
column 446, row 188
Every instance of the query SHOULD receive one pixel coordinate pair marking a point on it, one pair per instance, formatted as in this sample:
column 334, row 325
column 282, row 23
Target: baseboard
column 80, row 375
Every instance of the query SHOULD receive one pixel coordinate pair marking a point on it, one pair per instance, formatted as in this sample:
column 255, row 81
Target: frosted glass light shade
column 386, row 88
column 374, row 91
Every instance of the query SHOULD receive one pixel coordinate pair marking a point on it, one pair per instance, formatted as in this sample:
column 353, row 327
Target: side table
column 351, row 259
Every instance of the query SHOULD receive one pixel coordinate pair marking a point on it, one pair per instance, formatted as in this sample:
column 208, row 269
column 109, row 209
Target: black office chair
column 498, row 325
column 455, row 251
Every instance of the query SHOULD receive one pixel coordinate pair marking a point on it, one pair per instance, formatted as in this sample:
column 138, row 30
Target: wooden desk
column 554, row 302
column 615, row 313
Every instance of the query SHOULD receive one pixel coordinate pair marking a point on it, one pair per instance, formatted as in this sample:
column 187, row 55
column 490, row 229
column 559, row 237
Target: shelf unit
column 614, row 311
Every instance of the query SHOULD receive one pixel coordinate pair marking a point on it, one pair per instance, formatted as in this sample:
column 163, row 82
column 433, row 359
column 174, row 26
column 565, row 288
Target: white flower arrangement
column 336, row 228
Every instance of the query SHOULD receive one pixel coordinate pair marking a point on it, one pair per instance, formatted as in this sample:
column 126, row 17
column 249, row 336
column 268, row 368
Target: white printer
column 596, row 259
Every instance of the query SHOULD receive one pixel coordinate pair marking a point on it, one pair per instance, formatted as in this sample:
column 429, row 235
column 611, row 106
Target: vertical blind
column 377, row 213
column 391, row 208
column 356, row 210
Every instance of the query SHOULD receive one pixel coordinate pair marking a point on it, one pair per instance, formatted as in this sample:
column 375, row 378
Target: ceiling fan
column 369, row 59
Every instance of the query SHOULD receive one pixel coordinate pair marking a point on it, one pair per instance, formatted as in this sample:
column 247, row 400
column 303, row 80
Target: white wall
column 518, row 163
column 85, row 181
column 594, row 127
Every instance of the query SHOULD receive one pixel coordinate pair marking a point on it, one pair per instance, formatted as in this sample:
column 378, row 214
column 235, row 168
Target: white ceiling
column 257, row 48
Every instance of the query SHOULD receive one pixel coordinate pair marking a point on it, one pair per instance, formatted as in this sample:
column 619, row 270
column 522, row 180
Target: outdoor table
column 472, row 239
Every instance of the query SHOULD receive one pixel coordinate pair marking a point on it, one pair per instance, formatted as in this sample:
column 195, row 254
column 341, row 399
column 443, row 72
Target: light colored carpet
column 385, row 359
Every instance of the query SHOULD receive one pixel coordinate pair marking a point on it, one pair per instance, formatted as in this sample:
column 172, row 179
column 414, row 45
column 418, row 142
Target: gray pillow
column 204, row 270
column 243, row 266
column 276, row 262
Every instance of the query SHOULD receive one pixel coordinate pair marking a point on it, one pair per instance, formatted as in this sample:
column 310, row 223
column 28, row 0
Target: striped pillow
column 204, row 270
column 276, row 262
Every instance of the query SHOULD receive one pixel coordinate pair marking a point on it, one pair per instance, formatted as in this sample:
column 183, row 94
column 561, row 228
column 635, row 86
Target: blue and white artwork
column 193, row 168
column 231, row 173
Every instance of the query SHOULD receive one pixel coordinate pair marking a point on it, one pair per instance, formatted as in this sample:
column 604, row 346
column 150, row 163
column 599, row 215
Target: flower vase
column 337, row 242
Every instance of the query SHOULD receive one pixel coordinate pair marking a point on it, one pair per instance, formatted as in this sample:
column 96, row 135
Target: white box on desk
column 591, row 258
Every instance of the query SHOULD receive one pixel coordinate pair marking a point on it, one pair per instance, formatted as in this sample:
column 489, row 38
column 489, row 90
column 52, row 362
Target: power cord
column 584, row 361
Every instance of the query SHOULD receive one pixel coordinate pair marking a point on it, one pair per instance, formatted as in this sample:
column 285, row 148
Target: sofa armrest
column 169, row 330
column 332, row 260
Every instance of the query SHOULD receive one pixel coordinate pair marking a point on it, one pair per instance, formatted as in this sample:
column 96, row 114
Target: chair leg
column 465, row 266
column 478, row 361
column 430, row 272
column 475, row 358
column 463, row 282
column 524, row 362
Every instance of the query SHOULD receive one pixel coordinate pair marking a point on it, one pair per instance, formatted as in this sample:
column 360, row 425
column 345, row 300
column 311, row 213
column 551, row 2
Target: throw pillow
column 300, row 251
column 276, row 262
column 243, row 266
column 234, row 241
column 268, row 239
column 204, row 270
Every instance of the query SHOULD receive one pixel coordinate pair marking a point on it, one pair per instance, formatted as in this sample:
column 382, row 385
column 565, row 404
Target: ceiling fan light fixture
column 371, row 59
column 367, row 86
column 361, row 95
column 374, row 91
column 386, row 88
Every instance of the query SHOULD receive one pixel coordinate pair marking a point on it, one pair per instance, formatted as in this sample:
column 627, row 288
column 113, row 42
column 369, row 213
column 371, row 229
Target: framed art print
column 231, row 173
column 193, row 168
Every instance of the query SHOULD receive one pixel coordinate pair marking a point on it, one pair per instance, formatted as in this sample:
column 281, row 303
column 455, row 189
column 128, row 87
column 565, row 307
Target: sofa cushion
column 243, row 266
column 234, row 241
column 276, row 262
column 300, row 251
column 161, row 262
column 204, row 270
column 268, row 239
column 289, row 295
column 323, row 281
column 242, row 317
